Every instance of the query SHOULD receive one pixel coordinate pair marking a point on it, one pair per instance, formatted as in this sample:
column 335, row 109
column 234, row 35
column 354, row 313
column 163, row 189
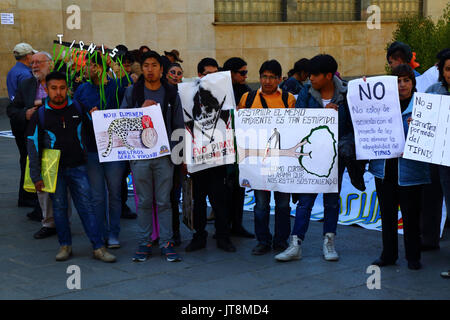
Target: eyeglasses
column 242, row 72
column 271, row 78
column 38, row 62
column 178, row 73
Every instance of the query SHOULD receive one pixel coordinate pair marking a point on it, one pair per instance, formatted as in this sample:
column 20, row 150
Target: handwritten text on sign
column 287, row 150
column 429, row 133
column 375, row 110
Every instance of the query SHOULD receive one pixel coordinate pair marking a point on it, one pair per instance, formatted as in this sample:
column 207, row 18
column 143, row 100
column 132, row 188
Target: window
column 311, row 10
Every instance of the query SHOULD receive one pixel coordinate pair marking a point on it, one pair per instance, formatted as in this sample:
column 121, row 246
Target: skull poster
column 130, row 134
column 207, row 108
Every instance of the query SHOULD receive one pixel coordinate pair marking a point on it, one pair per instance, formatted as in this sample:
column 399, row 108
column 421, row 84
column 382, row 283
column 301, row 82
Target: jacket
column 15, row 76
column 24, row 100
column 410, row 172
column 61, row 129
column 311, row 98
column 438, row 88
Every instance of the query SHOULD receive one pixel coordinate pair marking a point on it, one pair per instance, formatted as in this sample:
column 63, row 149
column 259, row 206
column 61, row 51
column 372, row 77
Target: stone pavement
column 28, row 269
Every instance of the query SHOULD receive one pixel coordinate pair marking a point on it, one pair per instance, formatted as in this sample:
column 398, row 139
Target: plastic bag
column 49, row 171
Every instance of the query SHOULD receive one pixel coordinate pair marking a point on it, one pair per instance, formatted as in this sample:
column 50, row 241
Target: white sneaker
column 329, row 252
column 293, row 252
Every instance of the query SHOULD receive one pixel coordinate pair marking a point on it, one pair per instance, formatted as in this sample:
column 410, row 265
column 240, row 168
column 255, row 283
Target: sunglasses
column 242, row 72
column 178, row 73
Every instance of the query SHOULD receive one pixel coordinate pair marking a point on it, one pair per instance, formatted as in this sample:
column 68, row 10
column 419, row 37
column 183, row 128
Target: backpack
column 252, row 95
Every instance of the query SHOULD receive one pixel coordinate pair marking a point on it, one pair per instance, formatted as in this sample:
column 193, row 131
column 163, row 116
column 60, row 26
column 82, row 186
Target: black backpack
column 252, row 95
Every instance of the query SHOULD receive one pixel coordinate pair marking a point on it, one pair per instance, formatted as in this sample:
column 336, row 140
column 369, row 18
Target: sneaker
column 143, row 253
column 64, row 253
column 196, row 244
column 103, row 255
column 329, row 252
column 170, row 253
column 293, row 252
column 113, row 243
column 445, row 274
column 44, row 232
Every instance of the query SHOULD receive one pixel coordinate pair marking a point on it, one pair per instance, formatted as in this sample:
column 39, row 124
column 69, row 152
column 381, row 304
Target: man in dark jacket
column 326, row 91
column 59, row 124
column 154, row 177
column 28, row 98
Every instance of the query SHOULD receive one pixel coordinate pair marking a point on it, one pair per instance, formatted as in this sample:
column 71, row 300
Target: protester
column 443, row 88
column 270, row 96
column 154, row 176
column 22, row 69
column 105, row 178
column 294, row 84
column 238, row 69
column 175, row 74
column 210, row 182
column 326, row 91
column 400, row 53
column 29, row 97
column 59, row 125
column 400, row 181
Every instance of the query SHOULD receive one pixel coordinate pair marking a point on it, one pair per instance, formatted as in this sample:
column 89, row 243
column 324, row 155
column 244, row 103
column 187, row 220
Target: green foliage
column 425, row 37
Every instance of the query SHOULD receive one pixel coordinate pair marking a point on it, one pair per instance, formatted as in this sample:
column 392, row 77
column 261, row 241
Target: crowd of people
column 49, row 110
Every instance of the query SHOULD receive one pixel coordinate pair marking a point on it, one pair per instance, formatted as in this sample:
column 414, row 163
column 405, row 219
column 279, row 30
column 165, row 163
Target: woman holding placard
column 399, row 181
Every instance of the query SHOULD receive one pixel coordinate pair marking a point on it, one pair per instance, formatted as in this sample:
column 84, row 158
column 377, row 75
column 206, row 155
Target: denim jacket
column 410, row 172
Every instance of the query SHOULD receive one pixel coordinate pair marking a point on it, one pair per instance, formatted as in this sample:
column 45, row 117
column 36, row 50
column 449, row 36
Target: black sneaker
column 44, row 232
column 383, row 263
column 261, row 249
column 170, row 253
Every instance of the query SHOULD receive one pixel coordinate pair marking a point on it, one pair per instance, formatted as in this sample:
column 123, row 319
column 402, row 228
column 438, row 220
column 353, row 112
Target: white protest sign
column 207, row 105
column 428, row 137
column 288, row 150
column 7, row 18
column 130, row 134
column 376, row 115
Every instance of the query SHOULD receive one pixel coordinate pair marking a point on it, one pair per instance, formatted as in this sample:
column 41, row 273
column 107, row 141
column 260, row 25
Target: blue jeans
column 282, row 218
column 77, row 181
column 305, row 204
column 106, row 187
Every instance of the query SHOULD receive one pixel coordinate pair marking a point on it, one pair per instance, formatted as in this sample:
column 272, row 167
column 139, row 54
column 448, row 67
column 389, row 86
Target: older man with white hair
column 28, row 98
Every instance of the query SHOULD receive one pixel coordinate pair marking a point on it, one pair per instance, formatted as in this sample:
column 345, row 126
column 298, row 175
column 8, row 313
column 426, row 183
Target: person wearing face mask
column 175, row 74
column 400, row 181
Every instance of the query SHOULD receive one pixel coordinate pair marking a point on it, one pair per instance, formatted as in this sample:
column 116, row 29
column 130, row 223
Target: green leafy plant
column 425, row 37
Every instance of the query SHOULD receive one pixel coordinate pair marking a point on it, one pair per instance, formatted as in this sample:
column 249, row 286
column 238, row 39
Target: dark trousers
column 236, row 197
column 175, row 194
column 431, row 214
column 21, row 142
column 390, row 195
column 212, row 183
column 124, row 187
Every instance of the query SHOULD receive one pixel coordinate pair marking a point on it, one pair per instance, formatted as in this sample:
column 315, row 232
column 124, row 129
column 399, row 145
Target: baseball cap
column 23, row 49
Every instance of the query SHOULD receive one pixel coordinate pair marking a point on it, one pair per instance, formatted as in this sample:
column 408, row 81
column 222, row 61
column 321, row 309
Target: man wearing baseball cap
column 22, row 70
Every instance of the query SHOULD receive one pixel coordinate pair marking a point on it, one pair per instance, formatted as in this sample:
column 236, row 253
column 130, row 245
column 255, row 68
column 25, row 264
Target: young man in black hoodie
column 59, row 124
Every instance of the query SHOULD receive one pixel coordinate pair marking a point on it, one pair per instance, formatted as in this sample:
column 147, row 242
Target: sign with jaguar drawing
column 131, row 134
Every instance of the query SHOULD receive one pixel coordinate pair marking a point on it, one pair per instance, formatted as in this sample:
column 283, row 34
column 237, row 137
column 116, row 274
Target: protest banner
column 428, row 137
column 287, row 150
column 377, row 122
column 130, row 134
column 207, row 103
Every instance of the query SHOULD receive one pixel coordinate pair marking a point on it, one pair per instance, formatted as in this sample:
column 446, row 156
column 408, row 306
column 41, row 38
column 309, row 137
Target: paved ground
column 28, row 269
